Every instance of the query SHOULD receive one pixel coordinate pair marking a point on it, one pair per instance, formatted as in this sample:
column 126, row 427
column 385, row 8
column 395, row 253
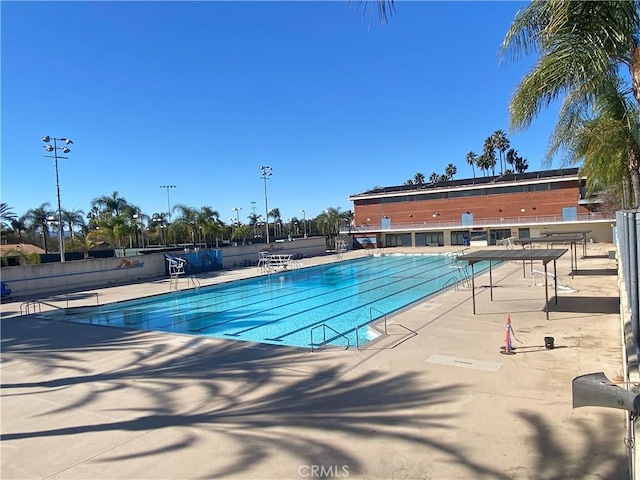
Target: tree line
column 114, row 222
column 496, row 148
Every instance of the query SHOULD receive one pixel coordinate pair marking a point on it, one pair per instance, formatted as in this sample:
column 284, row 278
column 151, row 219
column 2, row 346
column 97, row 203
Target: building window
column 499, row 234
column 460, row 237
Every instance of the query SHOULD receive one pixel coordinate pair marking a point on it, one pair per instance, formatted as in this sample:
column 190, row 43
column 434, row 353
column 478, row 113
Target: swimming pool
column 283, row 308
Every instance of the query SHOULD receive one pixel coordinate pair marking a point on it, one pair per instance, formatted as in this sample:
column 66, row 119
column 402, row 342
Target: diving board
column 544, row 256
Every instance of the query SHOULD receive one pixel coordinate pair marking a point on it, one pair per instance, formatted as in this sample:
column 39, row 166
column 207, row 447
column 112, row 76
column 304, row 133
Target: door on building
column 569, row 214
column 498, row 234
column 460, row 237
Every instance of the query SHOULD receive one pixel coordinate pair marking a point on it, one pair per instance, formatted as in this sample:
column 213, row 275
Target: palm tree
column 329, row 221
column 38, row 219
column 385, row 8
column 418, row 178
column 521, row 164
column 73, row 218
column 113, row 204
column 581, row 45
column 511, row 157
column 409, row 182
column 209, row 221
column 490, row 152
column 275, row 214
column 6, row 216
column 450, row 171
column 434, row 177
column 19, row 225
column 189, row 217
column 472, row 159
column 606, row 138
column 484, row 163
column 502, row 144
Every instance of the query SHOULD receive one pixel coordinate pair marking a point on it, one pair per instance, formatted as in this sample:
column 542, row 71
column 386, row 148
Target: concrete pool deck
column 434, row 399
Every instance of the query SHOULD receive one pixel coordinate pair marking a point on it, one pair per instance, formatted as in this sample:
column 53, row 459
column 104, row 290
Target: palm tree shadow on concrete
column 594, row 457
column 260, row 400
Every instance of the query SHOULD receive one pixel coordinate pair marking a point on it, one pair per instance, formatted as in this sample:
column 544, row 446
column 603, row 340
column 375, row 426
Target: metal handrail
column 371, row 309
column 195, row 281
column 26, row 306
column 324, row 334
column 370, row 323
column 452, row 281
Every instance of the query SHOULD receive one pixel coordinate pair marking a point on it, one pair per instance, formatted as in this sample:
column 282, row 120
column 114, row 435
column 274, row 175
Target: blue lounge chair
column 6, row 291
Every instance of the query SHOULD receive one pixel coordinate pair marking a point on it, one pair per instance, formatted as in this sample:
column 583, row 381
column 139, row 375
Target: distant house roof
column 20, row 247
column 470, row 182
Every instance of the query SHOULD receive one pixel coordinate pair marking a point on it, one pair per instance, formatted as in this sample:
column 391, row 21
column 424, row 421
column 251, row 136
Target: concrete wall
column 52, row 278
column 242, row 255
column 33, row 281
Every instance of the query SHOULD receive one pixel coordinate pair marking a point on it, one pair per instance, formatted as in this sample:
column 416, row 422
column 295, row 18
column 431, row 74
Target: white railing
column 481, row 222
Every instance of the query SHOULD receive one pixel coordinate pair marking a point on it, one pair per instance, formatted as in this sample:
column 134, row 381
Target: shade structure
column 534, row 255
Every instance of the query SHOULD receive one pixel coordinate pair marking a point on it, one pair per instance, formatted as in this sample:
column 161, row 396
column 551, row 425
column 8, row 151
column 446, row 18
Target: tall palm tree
column 484, row 163
column 472, row 159
column 418, row 178
column 37, row 219
column 502, row 144
column 450, row 171
column 409, row 182
column 581, row 46
column 489, row 151
column 434, row 177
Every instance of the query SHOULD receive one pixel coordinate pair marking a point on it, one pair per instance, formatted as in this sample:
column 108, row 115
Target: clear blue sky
column 200, row 94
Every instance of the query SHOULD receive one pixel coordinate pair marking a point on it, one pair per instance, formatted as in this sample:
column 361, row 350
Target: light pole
column 163, row 227
column 265, row 173
column 141, row 226
column 169, row 187
column 49, row 148
column 254, row 219
column 304, row 222
column 237, row 210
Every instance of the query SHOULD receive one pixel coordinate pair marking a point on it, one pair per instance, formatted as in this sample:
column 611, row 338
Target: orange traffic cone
column 507, row 349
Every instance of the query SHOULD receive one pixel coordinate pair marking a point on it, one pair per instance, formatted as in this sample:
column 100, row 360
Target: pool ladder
column 35, row 306
column 324, row 327
column 192, row 282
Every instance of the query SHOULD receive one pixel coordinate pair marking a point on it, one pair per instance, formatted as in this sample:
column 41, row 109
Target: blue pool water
column 283, row 308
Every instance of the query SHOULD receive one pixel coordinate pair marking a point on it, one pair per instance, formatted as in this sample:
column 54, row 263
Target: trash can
column 548, row 342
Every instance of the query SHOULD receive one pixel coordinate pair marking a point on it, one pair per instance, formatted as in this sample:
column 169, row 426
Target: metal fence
column 628, row 239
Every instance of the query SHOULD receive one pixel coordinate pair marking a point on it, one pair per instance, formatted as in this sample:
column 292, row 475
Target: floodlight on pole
column 304, row 222
column 54, row 149
column 169, row 187
column 265, row 173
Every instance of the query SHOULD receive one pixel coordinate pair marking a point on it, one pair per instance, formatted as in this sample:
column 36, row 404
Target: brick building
column 476, row 211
